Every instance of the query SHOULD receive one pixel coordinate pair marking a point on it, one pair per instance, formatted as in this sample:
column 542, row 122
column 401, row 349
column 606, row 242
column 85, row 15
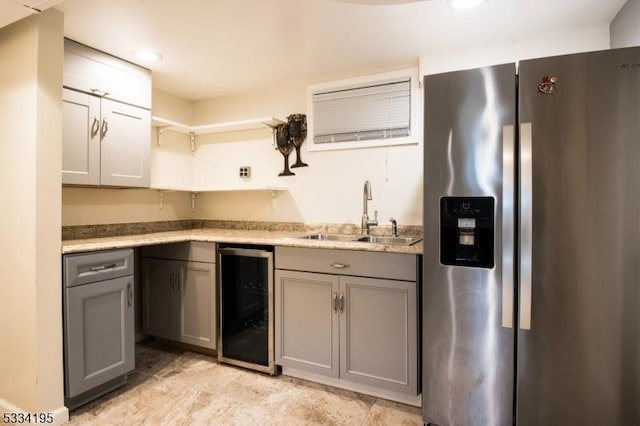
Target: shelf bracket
column 162, row 193
column 160, row 133
column 193, row 201
column 192, row 138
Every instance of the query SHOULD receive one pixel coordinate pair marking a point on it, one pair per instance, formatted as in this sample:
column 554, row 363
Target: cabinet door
column 99, row 330
column 159, row 292
column 80, row 138
column 378, row 333
column 307, row 322
column 126, row 141
column 197, row 318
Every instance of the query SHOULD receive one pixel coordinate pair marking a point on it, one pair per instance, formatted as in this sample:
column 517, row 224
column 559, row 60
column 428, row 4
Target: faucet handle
column 394, row 227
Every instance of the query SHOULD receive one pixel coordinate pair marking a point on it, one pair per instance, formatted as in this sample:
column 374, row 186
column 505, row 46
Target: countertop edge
column 275, row 238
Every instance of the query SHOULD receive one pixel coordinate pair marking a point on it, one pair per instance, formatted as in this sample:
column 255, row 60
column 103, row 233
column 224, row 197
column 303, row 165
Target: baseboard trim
column 60, row 415
column 414, row 400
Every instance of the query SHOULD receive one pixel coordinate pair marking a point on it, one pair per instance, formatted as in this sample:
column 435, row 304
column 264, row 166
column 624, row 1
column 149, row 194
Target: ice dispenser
column 467, row 231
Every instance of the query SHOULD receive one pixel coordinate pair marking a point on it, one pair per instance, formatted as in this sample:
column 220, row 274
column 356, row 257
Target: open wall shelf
column 229, row 126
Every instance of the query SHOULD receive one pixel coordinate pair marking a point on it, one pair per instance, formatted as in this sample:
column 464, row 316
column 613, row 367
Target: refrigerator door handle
column 526, row 223
column 508, row 217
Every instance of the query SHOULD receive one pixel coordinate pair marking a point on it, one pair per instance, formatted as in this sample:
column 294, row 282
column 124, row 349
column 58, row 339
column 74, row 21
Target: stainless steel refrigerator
column 531, row 275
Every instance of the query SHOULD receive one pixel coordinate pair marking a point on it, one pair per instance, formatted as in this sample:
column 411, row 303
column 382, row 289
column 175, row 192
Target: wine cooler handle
column 508, row 223
column 526, row 223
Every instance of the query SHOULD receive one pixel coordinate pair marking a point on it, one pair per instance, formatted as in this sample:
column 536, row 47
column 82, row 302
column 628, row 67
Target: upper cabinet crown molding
column 100, row 74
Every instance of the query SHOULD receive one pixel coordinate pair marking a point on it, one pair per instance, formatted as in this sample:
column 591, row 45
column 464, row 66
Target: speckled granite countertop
column 275, row 238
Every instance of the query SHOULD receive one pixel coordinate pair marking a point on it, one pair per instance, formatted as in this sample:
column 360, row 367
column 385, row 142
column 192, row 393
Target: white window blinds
column 379, row 110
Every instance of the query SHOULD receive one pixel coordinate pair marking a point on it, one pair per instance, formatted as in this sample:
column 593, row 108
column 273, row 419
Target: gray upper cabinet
column 106, row 120
column 352, row 328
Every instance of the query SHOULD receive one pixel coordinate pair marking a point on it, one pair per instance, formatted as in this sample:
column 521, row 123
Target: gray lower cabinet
column 98, row 323
column 352, row 328
column 179, row 295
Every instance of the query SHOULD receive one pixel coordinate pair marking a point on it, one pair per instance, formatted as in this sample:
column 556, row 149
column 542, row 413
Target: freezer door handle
column 526, row 223
column 508, row 216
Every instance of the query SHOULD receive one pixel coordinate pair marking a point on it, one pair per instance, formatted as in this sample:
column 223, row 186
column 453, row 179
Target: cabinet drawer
column 194, row 251
column 83, row 268
column 346, row 262
column 95, row 72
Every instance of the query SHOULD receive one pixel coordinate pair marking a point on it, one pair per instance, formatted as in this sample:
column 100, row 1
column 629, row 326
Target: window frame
column 415, row 123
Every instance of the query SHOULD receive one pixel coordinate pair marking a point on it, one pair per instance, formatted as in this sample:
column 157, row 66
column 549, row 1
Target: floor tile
column 175, row 387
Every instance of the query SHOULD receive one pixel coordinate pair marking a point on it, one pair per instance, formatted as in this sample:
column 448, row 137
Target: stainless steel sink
column 330, row 237
column 404, row 241
column 376, row 239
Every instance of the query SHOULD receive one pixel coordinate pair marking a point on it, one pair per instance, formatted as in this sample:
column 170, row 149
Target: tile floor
column 174, row 387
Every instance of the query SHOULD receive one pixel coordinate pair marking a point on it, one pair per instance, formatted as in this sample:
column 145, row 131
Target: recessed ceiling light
column 146, row 55
column 465, row 4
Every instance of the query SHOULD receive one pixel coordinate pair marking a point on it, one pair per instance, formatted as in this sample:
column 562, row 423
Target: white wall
column 542, row 45
column 31, row 367
column 328, row 191
column 625, row 28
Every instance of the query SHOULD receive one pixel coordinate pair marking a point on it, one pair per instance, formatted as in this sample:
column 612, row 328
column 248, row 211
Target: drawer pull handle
column 339, row 265
column 102, row 267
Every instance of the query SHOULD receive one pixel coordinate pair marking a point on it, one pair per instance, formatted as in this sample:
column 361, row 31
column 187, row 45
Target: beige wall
column 95, row 206
column 31, row 366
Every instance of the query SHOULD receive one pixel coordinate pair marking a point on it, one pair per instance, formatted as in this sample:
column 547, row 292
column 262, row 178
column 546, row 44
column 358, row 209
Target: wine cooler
column 246, row 307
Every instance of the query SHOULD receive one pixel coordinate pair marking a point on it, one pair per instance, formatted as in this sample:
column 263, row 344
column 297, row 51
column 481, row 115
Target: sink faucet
column 366, row 222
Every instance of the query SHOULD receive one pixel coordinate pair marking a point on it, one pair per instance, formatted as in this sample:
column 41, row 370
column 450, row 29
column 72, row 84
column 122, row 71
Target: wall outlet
column 245, row 172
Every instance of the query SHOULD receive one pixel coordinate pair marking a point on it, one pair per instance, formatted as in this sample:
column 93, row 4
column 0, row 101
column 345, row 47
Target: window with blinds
column 358, row 114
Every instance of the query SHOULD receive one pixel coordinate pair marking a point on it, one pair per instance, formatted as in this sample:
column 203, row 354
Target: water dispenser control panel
column 467, row 231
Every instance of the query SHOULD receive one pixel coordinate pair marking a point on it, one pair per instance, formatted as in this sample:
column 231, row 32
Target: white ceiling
column 214, row 48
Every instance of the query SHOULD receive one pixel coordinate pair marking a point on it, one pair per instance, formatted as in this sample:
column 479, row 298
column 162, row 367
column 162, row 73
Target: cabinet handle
column 335, row 302
column 105, row 128
column 102, row 267
column 172, row 281
column 339, row 265
column 129, row 294
column 341, row 302
column 95, row 127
